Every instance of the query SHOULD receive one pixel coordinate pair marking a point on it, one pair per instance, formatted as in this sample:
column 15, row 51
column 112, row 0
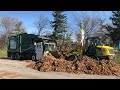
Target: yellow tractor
column 96, row 49
column 93, row 48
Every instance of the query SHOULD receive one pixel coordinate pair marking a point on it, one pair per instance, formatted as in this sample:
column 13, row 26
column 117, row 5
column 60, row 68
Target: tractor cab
column 105, row 52
column 96, row 49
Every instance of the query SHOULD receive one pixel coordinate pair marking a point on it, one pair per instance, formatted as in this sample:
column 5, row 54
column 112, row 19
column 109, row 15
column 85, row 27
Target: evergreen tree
column 59, row 24
column 115, row 29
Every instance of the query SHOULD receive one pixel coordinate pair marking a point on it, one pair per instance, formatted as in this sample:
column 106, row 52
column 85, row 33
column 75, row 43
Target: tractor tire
column 72, row 57
column 95, row 57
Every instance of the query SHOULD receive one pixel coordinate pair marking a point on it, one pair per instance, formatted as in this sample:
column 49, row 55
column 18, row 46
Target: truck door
column 39, row 50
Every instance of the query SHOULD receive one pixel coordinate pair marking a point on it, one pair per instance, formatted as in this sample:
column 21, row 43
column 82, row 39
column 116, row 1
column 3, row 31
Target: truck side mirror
column 34, row 43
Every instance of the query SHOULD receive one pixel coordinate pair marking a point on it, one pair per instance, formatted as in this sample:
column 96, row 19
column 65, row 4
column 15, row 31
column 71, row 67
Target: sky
column 29, row 17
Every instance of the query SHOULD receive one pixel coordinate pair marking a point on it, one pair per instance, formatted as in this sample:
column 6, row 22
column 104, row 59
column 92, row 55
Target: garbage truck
column 25, row 46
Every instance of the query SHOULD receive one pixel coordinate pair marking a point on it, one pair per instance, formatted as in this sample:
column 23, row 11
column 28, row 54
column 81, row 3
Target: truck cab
column 49, row 46
column 38, row 50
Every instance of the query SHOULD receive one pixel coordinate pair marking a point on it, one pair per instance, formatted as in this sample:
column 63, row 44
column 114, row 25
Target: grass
column 3, row 52
column 117, row 58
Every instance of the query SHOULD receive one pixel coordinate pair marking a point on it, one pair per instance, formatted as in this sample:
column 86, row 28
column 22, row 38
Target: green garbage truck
column 25, row 46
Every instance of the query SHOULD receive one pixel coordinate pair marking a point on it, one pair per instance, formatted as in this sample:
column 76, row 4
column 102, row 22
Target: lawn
column 3, row 52
column 117, row 58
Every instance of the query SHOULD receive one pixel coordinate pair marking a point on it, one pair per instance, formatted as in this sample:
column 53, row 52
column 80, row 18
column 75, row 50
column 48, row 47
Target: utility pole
column 82, row 39
column 82, row 33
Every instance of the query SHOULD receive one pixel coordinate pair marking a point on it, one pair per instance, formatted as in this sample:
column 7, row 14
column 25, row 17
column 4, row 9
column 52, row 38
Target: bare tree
column 19, row 28
column 91, row 24
column 103, row 34
column 68, row 33
column 2, row 41
column 41, row 24
column 48, row 33
column 9, row 25
column 67, row 37
column 78, row 37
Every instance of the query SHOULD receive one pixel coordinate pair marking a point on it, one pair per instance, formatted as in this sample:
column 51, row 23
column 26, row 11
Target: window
column 13, row 44
column 111, row 51
column 99, row 51
column 46, row 47
column 49, row 47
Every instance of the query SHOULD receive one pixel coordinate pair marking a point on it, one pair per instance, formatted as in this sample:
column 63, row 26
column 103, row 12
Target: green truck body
column 22, row 46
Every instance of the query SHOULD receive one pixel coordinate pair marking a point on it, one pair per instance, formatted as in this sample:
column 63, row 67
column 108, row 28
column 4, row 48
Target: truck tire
column 12, row 57
column 34, row 57
column 17, row 56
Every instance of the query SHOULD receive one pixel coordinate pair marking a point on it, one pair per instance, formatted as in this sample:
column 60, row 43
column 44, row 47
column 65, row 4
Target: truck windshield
column 49, row 47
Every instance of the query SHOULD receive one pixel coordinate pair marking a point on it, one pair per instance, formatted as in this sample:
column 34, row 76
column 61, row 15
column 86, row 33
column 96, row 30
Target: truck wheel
column 17, row 56
column 12, row 57
column 33, row 57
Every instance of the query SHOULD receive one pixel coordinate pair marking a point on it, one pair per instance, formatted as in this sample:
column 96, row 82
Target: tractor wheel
column 72, row 57
column 95, row 57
